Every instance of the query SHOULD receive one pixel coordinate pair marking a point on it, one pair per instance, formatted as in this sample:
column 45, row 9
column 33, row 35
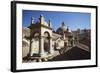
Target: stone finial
column 32, row 20
column 41, row 15
column 68, row 28
column 42, row 20
column 63, row 24
column 50, row 24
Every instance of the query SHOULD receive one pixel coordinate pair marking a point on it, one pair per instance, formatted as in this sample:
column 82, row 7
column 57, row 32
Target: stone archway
column 46, row 42
column 35, row 44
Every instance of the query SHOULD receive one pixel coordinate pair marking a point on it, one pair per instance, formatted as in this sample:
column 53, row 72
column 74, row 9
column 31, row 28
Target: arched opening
column 47, row 42
column 35, row 44
column 65, row 44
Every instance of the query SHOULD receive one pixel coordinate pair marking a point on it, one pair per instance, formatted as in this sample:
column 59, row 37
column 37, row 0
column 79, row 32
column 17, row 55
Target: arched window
column 46, row 42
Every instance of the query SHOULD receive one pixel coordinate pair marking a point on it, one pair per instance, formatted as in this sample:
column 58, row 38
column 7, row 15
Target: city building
column 41, row 41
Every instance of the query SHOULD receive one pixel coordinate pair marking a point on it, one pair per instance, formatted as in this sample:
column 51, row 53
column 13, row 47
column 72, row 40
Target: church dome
column 61, row 29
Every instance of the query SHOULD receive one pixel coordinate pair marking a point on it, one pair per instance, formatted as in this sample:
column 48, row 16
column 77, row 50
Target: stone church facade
column 40, row 40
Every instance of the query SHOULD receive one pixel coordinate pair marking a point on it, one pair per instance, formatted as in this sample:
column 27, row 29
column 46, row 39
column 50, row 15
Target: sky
column 73, row 20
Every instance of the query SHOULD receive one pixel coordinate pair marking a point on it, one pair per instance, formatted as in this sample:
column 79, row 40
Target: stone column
column 73, row 42
column 30, row 48
column 51, row 48
column 41, row 47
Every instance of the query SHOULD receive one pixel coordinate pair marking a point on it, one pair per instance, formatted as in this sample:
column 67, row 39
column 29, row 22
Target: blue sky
column 73, row 20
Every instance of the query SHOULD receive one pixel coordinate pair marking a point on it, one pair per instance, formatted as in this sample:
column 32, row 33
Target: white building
column 39, row 40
